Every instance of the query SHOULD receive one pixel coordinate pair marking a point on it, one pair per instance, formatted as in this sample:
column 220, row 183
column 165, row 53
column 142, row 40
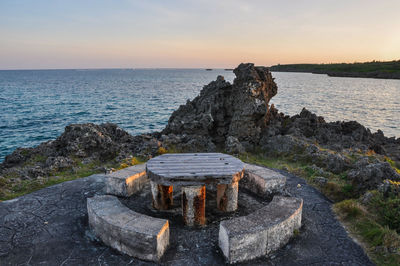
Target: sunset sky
column 44, row 34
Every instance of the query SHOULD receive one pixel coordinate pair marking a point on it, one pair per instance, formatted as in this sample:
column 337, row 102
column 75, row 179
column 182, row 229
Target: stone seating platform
column 240, row 239
column 129, row 232
column 262, row 181
column 127, row 181
column 261, row 232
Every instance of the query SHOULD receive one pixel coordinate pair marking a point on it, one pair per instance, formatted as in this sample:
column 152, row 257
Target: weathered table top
column 194, row 169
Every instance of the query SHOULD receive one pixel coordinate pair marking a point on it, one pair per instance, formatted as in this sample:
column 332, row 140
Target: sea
column 36, row 105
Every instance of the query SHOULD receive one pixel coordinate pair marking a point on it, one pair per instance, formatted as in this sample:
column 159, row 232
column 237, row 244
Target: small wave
column 110, row 107
column 81, row 113
column 41, row 138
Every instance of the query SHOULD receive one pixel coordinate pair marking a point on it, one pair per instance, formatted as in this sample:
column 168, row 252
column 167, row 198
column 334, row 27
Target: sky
column 54, row 34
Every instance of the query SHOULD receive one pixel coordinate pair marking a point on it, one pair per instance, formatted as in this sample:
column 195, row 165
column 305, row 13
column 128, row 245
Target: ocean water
column 375, row 103
column 36, row 105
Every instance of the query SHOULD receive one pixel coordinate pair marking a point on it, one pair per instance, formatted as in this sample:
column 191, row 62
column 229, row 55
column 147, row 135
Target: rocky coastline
column 234, row 118
column 374, row 69
column 350, row 165
column 373, row 75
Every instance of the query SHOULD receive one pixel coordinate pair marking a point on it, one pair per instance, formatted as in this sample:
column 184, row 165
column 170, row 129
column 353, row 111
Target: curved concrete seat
column 262, row 181
column 129, row 232
column 261, row 232
column 127, row 181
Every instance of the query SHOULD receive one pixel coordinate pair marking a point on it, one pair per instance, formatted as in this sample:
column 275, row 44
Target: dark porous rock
column 367, row 197
column 84, row 140
column 233, row 146
column 320, row 180
column 37, row 171
column 145, row 145
column 239, row 110
column 79, row 143
column 235, row 118
column 372, row 175
column 385, row 187
column 252, row 90
column 59, row 163
column 19, row 156
column 283, row 145
column 336, row 136
column 318, row 170
column 188, row 143
column 336, row 163
column 364, row 161
column 198, row 117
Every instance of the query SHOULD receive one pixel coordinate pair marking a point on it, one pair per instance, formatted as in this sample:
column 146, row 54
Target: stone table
column 192, row 171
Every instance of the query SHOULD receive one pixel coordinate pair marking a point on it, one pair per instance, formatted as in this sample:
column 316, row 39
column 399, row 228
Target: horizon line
column 112, row 68
column 133, row 68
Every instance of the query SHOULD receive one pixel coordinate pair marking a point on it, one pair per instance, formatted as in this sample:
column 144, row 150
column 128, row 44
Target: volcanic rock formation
column 234, row 118
column 237, row 117
column 79, row 142
column 224, row 113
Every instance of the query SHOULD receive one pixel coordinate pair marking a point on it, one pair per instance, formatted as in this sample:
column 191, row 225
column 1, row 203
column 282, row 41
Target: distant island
column 374, row 69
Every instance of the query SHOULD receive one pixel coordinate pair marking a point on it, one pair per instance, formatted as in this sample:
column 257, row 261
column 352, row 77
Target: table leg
column 162, row 196
column 194, row 205
column 227, row 196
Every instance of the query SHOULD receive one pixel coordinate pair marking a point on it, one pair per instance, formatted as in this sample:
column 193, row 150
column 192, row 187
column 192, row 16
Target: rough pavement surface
column 50, row 227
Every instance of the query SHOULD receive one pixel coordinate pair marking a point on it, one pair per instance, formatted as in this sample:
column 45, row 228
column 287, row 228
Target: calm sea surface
column 36, row 105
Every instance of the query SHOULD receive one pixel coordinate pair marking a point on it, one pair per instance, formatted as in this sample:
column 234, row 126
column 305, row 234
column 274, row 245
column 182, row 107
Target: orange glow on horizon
column 171, row 34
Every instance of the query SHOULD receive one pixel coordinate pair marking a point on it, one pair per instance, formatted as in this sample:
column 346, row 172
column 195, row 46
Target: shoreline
column 343, row 160
column 346, row 75
column 374, row 69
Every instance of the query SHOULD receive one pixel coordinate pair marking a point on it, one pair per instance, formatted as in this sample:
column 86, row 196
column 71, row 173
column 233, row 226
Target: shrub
column 161, row 150
column 135, row 161
column 349, row 208
column 387, row 208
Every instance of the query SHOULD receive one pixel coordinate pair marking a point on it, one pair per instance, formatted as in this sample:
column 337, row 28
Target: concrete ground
column 50, row 227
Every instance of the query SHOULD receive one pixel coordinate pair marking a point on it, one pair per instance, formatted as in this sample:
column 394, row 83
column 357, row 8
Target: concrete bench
column 129, row 232
column 261, row 232
column 262, row 181
column 127, row 181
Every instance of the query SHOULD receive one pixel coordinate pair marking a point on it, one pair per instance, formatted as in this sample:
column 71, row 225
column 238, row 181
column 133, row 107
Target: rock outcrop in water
column 238, row 118
column 230, row 116
column 235, row 118
column 225, row 114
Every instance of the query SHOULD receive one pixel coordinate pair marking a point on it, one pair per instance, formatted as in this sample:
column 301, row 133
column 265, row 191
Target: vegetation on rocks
column 12, row 185
column 373, row 217
column 374, row 69
column 344, row 160
column 380, row 240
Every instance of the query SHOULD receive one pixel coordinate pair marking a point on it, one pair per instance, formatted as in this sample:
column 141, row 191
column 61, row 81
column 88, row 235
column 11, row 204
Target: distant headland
column 374, row 69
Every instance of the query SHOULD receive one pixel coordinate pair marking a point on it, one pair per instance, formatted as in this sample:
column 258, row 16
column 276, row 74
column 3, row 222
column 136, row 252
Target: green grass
column 38, row 158
column 11, row 186
column 374, row 225
column 337, row 187
column 395, row 165
column 381, row 243
column 29, row 186
column 10, row 190
column 375, row 228
column 130, row 162
column 387, row 207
